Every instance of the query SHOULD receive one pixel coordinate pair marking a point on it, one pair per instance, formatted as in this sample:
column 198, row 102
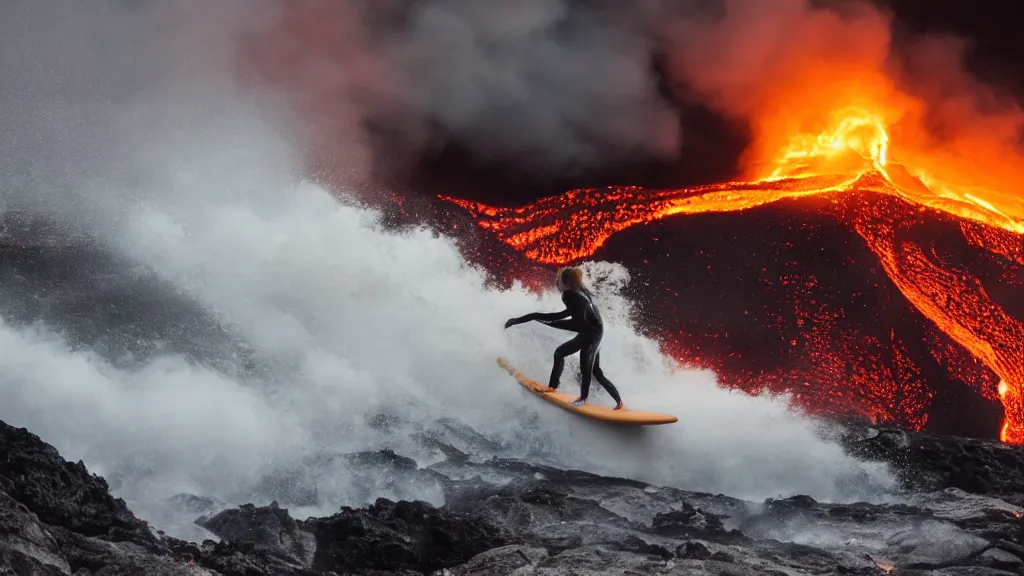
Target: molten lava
column 850, row 158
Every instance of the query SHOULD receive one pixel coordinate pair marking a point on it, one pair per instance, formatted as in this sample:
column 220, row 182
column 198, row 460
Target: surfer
column 580, row 316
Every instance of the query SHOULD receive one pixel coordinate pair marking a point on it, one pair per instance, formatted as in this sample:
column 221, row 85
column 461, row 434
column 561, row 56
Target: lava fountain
column 850, row 157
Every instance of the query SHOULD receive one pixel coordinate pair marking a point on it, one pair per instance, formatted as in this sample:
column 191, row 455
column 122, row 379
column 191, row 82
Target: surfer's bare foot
column 618, row 406
column 579, row 402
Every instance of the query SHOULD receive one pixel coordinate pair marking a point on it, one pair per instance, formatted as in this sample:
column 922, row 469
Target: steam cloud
column 146, row 126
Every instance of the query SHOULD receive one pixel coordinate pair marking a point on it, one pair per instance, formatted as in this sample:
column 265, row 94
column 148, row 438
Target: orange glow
column 884, row 564
column 848, row 157
column 1011, row 396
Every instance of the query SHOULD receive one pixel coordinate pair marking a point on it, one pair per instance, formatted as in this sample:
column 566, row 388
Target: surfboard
column 594, row 411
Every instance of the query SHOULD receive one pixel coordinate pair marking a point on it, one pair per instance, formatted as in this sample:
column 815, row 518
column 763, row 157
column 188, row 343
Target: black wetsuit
column 580, row 316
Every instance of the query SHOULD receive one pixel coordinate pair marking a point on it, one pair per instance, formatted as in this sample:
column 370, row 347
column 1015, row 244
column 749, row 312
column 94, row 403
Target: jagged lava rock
column 400, row 535
column 269, row 528
column 62, row 493
column 510, row 517
column 927, row 462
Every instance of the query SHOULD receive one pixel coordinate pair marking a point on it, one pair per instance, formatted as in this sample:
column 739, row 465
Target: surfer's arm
column 539, row 316
column 575, row 306
column 567, row 324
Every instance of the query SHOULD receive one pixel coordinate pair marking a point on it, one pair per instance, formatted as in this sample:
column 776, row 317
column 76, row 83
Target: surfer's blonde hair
column 569, row 277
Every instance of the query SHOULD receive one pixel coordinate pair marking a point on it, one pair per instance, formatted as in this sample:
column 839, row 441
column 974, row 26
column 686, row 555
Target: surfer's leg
column 605, row 382
column 587, row 355
column 571, row 347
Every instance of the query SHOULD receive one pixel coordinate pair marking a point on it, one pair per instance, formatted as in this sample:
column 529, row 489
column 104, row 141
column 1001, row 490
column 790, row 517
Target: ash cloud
column 577, row 82
column 550, row 84
column 367, row 87
column 561, row 85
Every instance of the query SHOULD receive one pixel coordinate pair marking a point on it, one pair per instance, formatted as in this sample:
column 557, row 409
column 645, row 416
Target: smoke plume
column 549, row 84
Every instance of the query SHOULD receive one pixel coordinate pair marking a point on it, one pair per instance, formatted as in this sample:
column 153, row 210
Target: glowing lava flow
column 851, row 157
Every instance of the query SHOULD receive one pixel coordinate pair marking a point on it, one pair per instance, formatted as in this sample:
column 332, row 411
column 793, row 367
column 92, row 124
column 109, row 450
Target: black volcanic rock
column 62, row 493
column 501, row 561
column 57, row 518
column 268, row 528
column 25, row 545
column 685, row 522
column 933, row 462
column 509, row 517
column 400, row 535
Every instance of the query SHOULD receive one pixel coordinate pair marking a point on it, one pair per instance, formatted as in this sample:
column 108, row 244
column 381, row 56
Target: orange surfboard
column 606, row 414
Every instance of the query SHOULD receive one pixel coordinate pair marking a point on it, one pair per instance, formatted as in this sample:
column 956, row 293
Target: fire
column 857, row 131
column 848, row 158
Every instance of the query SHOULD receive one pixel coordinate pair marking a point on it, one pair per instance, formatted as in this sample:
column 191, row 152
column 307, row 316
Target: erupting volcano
column 849, row 162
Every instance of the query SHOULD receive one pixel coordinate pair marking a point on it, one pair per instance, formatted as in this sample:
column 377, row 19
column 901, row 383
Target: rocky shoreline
column 960, row 513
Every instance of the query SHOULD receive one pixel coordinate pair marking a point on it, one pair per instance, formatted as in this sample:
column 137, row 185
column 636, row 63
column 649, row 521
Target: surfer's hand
column 511, row 322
